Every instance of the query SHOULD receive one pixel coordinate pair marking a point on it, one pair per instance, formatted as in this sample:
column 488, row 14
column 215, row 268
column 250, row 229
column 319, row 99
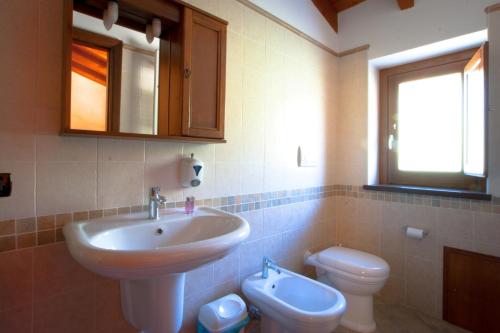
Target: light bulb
column 149, row 33
column 106, row 20
column 110, row 15
column 156, row 24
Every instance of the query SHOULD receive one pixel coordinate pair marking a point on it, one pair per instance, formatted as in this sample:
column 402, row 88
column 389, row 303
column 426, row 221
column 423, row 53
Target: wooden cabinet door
column 204, row 59
column 471, row 290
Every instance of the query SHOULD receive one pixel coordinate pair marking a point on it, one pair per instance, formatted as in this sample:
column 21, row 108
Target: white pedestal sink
column 151, row 257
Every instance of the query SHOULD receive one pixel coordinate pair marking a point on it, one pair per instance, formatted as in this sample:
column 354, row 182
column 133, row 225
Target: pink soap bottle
column 189, row 205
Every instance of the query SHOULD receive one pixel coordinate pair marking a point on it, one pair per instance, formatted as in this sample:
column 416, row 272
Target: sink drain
column 159, row 231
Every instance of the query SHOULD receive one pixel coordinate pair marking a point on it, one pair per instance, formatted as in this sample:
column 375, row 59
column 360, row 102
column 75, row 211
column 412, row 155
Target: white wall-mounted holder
column 191, row 172
column 415, row 233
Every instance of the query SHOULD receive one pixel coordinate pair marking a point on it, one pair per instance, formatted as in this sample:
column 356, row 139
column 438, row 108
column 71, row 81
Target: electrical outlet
column 5, row 185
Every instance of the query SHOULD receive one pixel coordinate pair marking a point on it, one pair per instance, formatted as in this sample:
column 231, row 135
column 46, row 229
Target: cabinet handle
column 187, row 73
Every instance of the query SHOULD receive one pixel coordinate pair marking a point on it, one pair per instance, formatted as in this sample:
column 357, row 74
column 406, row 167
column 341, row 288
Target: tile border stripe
column 37, row 231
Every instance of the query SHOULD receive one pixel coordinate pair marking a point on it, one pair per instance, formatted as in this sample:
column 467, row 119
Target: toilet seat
column 362, row 280
column 359, row 265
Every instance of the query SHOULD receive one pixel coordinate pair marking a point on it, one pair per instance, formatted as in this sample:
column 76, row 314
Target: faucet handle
column 162, row 199
column 268, row 263
column 155, row 191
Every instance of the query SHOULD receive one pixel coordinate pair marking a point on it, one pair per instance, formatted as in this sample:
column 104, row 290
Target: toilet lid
column 354, row 262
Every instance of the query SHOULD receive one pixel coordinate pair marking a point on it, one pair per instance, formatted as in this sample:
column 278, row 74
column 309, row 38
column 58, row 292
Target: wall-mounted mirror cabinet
column 157, row 72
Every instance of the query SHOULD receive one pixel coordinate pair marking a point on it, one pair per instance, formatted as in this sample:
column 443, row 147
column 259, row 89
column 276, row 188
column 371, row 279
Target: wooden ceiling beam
column 405, row 4
column 330, row 8
column 341, row 5
column 326, row 9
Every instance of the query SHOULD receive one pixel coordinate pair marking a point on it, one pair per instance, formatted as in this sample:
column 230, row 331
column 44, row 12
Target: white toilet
column 357, row 275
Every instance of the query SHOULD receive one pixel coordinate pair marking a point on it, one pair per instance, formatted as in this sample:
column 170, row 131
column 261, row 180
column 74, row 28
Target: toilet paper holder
column 415, row 233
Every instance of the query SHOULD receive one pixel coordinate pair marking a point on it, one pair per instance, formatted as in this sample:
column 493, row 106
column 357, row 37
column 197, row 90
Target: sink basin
column 150, row 257
column 131, row 246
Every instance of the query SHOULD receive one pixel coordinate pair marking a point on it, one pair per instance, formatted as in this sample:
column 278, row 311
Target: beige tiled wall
column 283, row 233
column 43, row 289
column 281, row 93
column 377, row 226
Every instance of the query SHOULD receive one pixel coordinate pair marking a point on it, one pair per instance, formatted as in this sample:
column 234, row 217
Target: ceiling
column 90, row 62
column 330, row 8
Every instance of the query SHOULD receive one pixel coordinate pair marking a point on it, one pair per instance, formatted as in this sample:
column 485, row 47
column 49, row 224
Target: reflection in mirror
column 89, row 77
column 137, row 110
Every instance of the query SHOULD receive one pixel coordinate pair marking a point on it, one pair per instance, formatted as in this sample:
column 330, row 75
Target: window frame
column 389, row 79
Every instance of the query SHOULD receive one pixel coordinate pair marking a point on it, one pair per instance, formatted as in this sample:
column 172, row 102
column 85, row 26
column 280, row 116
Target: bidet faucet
column 266, row 264
column 155, row 200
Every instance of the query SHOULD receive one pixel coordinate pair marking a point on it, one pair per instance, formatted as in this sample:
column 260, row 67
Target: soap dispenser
column 191, row 172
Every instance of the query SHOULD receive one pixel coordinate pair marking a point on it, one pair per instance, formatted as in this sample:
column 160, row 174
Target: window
column 433, row 122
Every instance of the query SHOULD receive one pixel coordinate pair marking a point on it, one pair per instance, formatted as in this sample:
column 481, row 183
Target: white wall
column 494, row 110
column 303, row 15
column 352, row 122
column 389, row 30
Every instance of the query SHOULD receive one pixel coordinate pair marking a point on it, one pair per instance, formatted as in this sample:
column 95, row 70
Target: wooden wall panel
column 471, row 290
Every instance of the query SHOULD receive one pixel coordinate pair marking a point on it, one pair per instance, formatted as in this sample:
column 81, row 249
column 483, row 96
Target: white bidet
column 292, row 303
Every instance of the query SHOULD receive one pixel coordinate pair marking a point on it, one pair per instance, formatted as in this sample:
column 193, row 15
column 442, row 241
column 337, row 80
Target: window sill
column 440, row 192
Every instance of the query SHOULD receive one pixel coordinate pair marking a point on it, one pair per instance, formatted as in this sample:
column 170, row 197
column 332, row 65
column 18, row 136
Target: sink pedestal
column 154, row 305
column 148, row 257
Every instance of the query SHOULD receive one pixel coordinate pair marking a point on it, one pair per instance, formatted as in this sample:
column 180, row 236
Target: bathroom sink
column 150, row 257
column 132, row 246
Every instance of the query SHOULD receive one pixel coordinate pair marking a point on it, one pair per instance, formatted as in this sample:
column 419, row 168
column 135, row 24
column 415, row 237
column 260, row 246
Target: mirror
column 150, row 69
column 119, row 69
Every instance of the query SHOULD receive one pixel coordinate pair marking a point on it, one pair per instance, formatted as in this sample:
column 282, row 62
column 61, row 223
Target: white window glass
column 474, row 145
column 429, row 124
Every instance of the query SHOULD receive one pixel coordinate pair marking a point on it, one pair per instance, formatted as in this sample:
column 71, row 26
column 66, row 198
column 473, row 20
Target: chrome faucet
column 267, row 264
column 155, row 200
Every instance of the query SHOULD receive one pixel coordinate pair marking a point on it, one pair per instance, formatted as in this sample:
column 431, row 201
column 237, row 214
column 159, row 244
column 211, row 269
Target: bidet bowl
column 294, row 303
